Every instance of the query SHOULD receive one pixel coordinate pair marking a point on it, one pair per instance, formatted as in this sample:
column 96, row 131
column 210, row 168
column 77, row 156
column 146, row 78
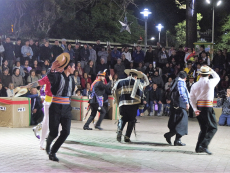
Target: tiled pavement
column 98, row 151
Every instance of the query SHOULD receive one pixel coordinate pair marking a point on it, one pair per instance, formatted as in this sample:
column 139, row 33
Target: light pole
column 146, row 13
column 214, row 3
column 159, row 27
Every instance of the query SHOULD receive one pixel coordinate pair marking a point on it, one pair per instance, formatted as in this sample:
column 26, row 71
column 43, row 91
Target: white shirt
column 128, row 56
column 203, row 89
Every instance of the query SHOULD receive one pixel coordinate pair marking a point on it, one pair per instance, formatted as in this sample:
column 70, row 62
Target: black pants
column 190, row 111
column 171, row 134
column 208, row 126
column 94, row 108
column 59, row 114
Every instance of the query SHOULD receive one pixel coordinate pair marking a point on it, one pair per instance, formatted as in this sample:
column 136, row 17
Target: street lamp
column 152, row 38
column 159, row 27
column 217, row 2
column 146, row 13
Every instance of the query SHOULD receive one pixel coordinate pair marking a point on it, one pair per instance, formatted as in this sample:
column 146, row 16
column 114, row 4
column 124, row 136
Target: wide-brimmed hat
column 63, row 59
column 22, row 91
column 205, row 70
column 138, row 73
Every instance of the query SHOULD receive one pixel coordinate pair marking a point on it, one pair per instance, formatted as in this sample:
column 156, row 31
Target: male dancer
column 178, row 120
column 128, row 93
column 96, row 102
column 202, row 94
column 62, row 88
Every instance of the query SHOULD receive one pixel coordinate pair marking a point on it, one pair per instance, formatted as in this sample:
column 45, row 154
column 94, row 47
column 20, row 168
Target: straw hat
column 22, row 91
column 63, row 59
column 205, row 70
column 17, row 89
column 138, row 73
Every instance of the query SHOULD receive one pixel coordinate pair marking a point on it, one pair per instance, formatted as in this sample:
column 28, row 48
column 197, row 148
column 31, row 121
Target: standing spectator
column 189, row 70
column 63, row 44
column 162, row 57
column 157, row 50
column 70, row 51
column 86, row 91
column 189, row 86
column 84, row 54
column 149, row 70
column 36, row 67
column 155, row 100
column 180, row 56
column 17, row 50
column 149, row 56
column 225, row 83
column 171, row 50
column 27, row 52
column 166, row 72
column 127, row 54
column 109, row 56
column 32, row 77
column 119, row 69
column 79, row 69
column 10, row 91
column 45, row 52
column 85, row 80
column 145, row 102
column 90, row 70
column 225, row 104
column 18, row 65
column 92, row 54
column 168, row 84
column 5, row 65
column 173, row 57
column 17, row 78
column 177, row 69
column 77, row 79
column 9, row 52
column 2, row 91
column 103, row 54
column 97, row 47
column 204, row 59
column 124, row 61
column 218, row 60
column 140, row 67
column 115, row 79
column 77, row 53
column 157, row 79
column 102, row 66
column 1, row 52
column 138, row 56
column 115, row 55
column 56, row 50
column 35, row 50
column 195, row 73
column 6, row 78
column 202, row 49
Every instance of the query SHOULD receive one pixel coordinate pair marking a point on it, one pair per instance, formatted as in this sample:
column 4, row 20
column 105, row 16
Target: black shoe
column 168, row 139
column 48, row 143
column 87, row 128
column 119, row 134
column 98, row 127
column 178, row 143
column 127, row 139
column 203, row 150
column 52, row 156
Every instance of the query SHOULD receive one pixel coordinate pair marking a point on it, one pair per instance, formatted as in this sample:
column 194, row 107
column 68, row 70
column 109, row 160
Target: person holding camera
column 225, row 103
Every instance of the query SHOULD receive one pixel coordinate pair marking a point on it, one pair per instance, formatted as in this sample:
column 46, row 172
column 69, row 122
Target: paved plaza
column 98, row 151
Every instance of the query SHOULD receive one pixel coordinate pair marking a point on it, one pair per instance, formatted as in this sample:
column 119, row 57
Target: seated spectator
column 225, row 83
column 32, row 77
column 177, row 69
column 168, row 84
column 138, row 56
column 18, row 65
column 36, row 107
column 131, row 65
column 155, row 100
column 149, row 70
column 166, row 72
column 119, row 69
column 43, row 72
column 78, row 92
column 166, row 110
column 27, row 52
column 223, row 74
column 79, row 69
column 127, row 54
column 159, row 71
column 101, row 66
column 124, row 61
column 189, row 70
column 6, row 78
column 195, row 73
column 115, row 79
column 103, row 54
column 26, row 67
column 149, row 56
column 84, row 54
column 45, row 52
column 85, row 80
column 36, row 67
column 140, row 67
column 205, row 59
column 162, row 57
column 158, row 80
column 46, row 64
column 90, row 70
column 225, row 104
column 115, row 54
column 86, row 91
column 17, row 79
column 77, row 79
column 69, row 50
column 2, row 91
column 10, row 91
column 5, row 65
column 145, row 102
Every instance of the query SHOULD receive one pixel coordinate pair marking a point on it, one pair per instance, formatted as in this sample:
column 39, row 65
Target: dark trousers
column 171, row 134
column 59, row 114
column 94, row 108
column 208, row 126
column 190, row 111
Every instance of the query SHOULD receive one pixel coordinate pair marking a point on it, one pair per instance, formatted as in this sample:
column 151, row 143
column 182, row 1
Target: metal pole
column 159, row 37
column 145, row 34
column 213, row 17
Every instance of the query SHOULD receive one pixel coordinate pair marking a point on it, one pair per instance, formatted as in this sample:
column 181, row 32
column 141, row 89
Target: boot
column 127, row 139
column 53, row 157
column 129, row 130
column 48, row 143
column 86, row 126
column 120, row 126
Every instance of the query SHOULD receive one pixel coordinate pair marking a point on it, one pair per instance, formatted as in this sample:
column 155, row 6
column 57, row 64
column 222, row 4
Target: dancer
column 178, row 120
column 96, row 100
column 128, row 94
column 202, row 94
column 62, row 88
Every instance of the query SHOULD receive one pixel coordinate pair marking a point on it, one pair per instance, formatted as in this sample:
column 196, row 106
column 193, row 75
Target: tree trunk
column 191, row 23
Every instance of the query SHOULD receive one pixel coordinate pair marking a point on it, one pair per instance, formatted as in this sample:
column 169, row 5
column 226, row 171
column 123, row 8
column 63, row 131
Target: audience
column 2, row 91
column 17, row 79
column 85, row 80
column 86, row 91
column 6, row 78
column 32, row 77
column 10, row 91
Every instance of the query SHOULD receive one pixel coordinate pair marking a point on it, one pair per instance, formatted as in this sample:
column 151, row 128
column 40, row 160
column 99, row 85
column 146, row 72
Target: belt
column 61, row 100
column 204, row 103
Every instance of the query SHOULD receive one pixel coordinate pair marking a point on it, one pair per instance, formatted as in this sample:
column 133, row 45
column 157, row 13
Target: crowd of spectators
column 23, row 64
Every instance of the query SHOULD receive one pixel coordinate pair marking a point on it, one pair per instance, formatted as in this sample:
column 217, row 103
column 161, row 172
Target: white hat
column 138, row 73
column 205, row 70
column 22, row 91
column 63, row 39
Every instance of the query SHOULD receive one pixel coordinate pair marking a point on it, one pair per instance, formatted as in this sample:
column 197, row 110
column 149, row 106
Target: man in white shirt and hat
column 201, row 96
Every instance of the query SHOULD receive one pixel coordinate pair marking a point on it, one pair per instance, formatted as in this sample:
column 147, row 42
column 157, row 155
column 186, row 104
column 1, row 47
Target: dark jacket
column 17, row 51
column 146, row 93
column 45, row 53
column 84, row 92
column 101, row 67
column 119, row 70
column 126, row 63
column 36, row 51
column 84, row 54
column 138, row 57
column 3, row 92
column 88, row 70
column 71, row 53
column 149, row 57
column 56, row 50
column 77, row 54
column 218, row 61
column 149, row 71
column 6, row 80
column 9, row 51
column 158, row 80
column 155, row 95
column 163, row 57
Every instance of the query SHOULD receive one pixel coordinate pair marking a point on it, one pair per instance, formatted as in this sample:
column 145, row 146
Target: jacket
column 157, row 97
column 17, row 51
column 84, row 54
column 84, row 92
column 149, row 57
column 119, row 69
column 87, row 70
column 45, row 53
column 17, row 80
column 26, row 49
column 138, row 57
column 77, row 54
column 92, row 55
column 146, row 93
column 22, row 73
column 158, row 80
column 115, row 55
column 6, row 80
column 71, row 53
column 56, row 50
column 163, row 57
column 31, row 79
column 225, row 104
column 101, row 67
column 9, row 51
column 149, row 71
column 83, row 83
column 104, row 55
